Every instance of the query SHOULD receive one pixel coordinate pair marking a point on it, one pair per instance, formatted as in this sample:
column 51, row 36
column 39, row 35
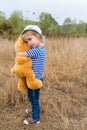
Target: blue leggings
column 33, row 96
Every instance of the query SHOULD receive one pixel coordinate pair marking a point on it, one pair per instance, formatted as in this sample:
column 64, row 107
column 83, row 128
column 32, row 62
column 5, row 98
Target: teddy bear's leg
column 22, row 86
column 34, row 83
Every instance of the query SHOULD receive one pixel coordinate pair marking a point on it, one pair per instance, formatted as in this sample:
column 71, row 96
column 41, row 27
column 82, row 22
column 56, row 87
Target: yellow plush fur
column 23, row 69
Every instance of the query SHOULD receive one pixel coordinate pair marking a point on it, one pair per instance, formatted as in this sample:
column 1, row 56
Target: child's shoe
column 30, row 121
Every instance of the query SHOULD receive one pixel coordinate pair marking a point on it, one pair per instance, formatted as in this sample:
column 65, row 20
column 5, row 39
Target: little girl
column 32, row 35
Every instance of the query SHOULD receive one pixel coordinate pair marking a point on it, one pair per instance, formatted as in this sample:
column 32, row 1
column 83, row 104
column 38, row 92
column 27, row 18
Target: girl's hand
column 21, row 54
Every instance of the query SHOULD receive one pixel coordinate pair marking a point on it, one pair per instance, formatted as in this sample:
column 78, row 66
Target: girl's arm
column 21, row 53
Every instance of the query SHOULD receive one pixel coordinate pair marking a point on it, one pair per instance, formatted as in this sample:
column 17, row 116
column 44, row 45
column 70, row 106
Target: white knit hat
column 34, row 28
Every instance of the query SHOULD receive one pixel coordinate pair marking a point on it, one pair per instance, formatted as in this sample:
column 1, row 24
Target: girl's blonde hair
column 32, row 33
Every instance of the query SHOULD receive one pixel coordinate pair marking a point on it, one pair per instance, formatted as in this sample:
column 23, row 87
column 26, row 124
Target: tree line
column 10, row 28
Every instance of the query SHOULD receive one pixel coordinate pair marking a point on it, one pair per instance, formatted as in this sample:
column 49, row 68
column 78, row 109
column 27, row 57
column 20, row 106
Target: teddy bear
column 23, row 69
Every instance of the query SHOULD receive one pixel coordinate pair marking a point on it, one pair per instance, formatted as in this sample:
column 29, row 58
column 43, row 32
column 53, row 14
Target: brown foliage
column 64, row 95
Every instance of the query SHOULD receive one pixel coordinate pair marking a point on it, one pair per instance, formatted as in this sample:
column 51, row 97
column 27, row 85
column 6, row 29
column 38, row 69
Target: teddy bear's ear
column 20, row 39
column 20, row 45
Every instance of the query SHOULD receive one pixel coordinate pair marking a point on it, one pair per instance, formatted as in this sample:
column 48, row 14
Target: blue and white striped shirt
column 38, row 56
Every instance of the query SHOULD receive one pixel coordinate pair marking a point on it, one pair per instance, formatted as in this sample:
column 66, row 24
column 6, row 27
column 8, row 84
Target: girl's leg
column 30, row 95
column 33, row 96
column 36, row 105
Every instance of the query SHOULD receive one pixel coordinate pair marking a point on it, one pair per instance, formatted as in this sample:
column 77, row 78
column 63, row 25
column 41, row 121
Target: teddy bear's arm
column 21, row 59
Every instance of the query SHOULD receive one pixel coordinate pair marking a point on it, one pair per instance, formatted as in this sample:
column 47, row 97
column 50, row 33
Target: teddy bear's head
column 20, row 45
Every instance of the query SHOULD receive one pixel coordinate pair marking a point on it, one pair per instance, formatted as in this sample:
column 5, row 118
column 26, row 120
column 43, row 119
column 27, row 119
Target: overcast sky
column 59, row 9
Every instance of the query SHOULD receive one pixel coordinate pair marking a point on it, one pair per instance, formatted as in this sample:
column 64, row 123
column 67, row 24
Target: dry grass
column 64, row 95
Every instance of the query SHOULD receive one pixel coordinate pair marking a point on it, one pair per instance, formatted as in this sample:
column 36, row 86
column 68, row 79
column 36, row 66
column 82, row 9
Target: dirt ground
column 59, row 111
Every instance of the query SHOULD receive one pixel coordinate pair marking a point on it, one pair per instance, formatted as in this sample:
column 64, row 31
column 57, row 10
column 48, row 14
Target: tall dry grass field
column 64, row 95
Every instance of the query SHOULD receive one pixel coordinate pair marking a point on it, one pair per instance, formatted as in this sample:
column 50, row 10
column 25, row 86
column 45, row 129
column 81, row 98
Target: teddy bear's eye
column 26, row 41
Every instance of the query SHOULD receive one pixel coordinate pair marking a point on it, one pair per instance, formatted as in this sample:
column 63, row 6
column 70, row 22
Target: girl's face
column 31, row 40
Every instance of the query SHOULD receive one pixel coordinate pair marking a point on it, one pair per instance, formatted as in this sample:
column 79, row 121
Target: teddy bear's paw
column 22, row 59
column 34, row 84
column 22, row 86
